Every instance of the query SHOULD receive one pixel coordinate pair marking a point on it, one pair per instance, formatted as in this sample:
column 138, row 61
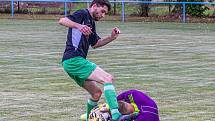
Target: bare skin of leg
column 93, row 89
column 97, row 76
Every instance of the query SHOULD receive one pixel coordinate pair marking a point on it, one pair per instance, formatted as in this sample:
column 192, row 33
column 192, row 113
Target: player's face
column 125, row 108
column 130, row 107
column 99, row 12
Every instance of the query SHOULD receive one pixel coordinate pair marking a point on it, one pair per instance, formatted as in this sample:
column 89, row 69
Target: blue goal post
column 122, row 2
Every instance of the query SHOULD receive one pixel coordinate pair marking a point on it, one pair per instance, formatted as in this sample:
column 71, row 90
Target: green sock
column 90, row 105
column 110, row 96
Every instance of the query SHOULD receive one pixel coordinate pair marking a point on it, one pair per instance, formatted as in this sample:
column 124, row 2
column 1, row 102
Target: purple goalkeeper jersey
column 142, row 103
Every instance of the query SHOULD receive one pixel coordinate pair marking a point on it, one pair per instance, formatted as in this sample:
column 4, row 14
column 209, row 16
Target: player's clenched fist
column 86, row 30
column 115, row 32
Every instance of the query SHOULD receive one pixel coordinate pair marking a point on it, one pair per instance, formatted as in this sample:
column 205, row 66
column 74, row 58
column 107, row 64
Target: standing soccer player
column 81, row 35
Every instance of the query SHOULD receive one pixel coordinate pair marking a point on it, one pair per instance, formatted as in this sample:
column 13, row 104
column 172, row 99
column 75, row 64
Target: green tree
column 213, row 7
column 192, row 9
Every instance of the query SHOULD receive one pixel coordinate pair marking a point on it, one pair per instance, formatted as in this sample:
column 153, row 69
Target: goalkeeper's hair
column 123, row 109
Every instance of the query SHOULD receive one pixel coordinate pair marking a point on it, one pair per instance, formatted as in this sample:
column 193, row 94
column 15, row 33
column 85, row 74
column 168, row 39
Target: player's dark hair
column 101, row 3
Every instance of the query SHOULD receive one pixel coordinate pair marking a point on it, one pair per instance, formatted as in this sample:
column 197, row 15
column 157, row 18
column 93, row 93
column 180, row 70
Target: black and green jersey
column 77, row 43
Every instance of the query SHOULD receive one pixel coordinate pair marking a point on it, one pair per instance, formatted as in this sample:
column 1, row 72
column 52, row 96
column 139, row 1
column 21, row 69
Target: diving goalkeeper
column 135, row 103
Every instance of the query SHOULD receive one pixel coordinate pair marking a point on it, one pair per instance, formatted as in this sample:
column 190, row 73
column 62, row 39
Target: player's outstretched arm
column 129, row 117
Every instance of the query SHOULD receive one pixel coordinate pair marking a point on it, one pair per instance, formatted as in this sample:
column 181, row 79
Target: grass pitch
column 174, row 63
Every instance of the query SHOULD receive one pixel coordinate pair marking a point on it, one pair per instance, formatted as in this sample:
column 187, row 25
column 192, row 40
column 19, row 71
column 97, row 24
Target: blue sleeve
column 77, row 16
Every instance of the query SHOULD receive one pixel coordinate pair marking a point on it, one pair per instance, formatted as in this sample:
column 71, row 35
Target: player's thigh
column 101, row 76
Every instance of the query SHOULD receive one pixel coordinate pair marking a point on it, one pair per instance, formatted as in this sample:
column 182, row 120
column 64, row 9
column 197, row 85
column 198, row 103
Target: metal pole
column 184, row 12
column 123, row 11
column 88, row 3
column 65, row 7
column 12, row 8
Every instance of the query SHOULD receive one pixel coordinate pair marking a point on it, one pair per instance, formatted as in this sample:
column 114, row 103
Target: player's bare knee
column 110, row 79
column 97, row 95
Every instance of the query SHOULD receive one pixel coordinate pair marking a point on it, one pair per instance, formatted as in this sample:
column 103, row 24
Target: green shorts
column 79, row 69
